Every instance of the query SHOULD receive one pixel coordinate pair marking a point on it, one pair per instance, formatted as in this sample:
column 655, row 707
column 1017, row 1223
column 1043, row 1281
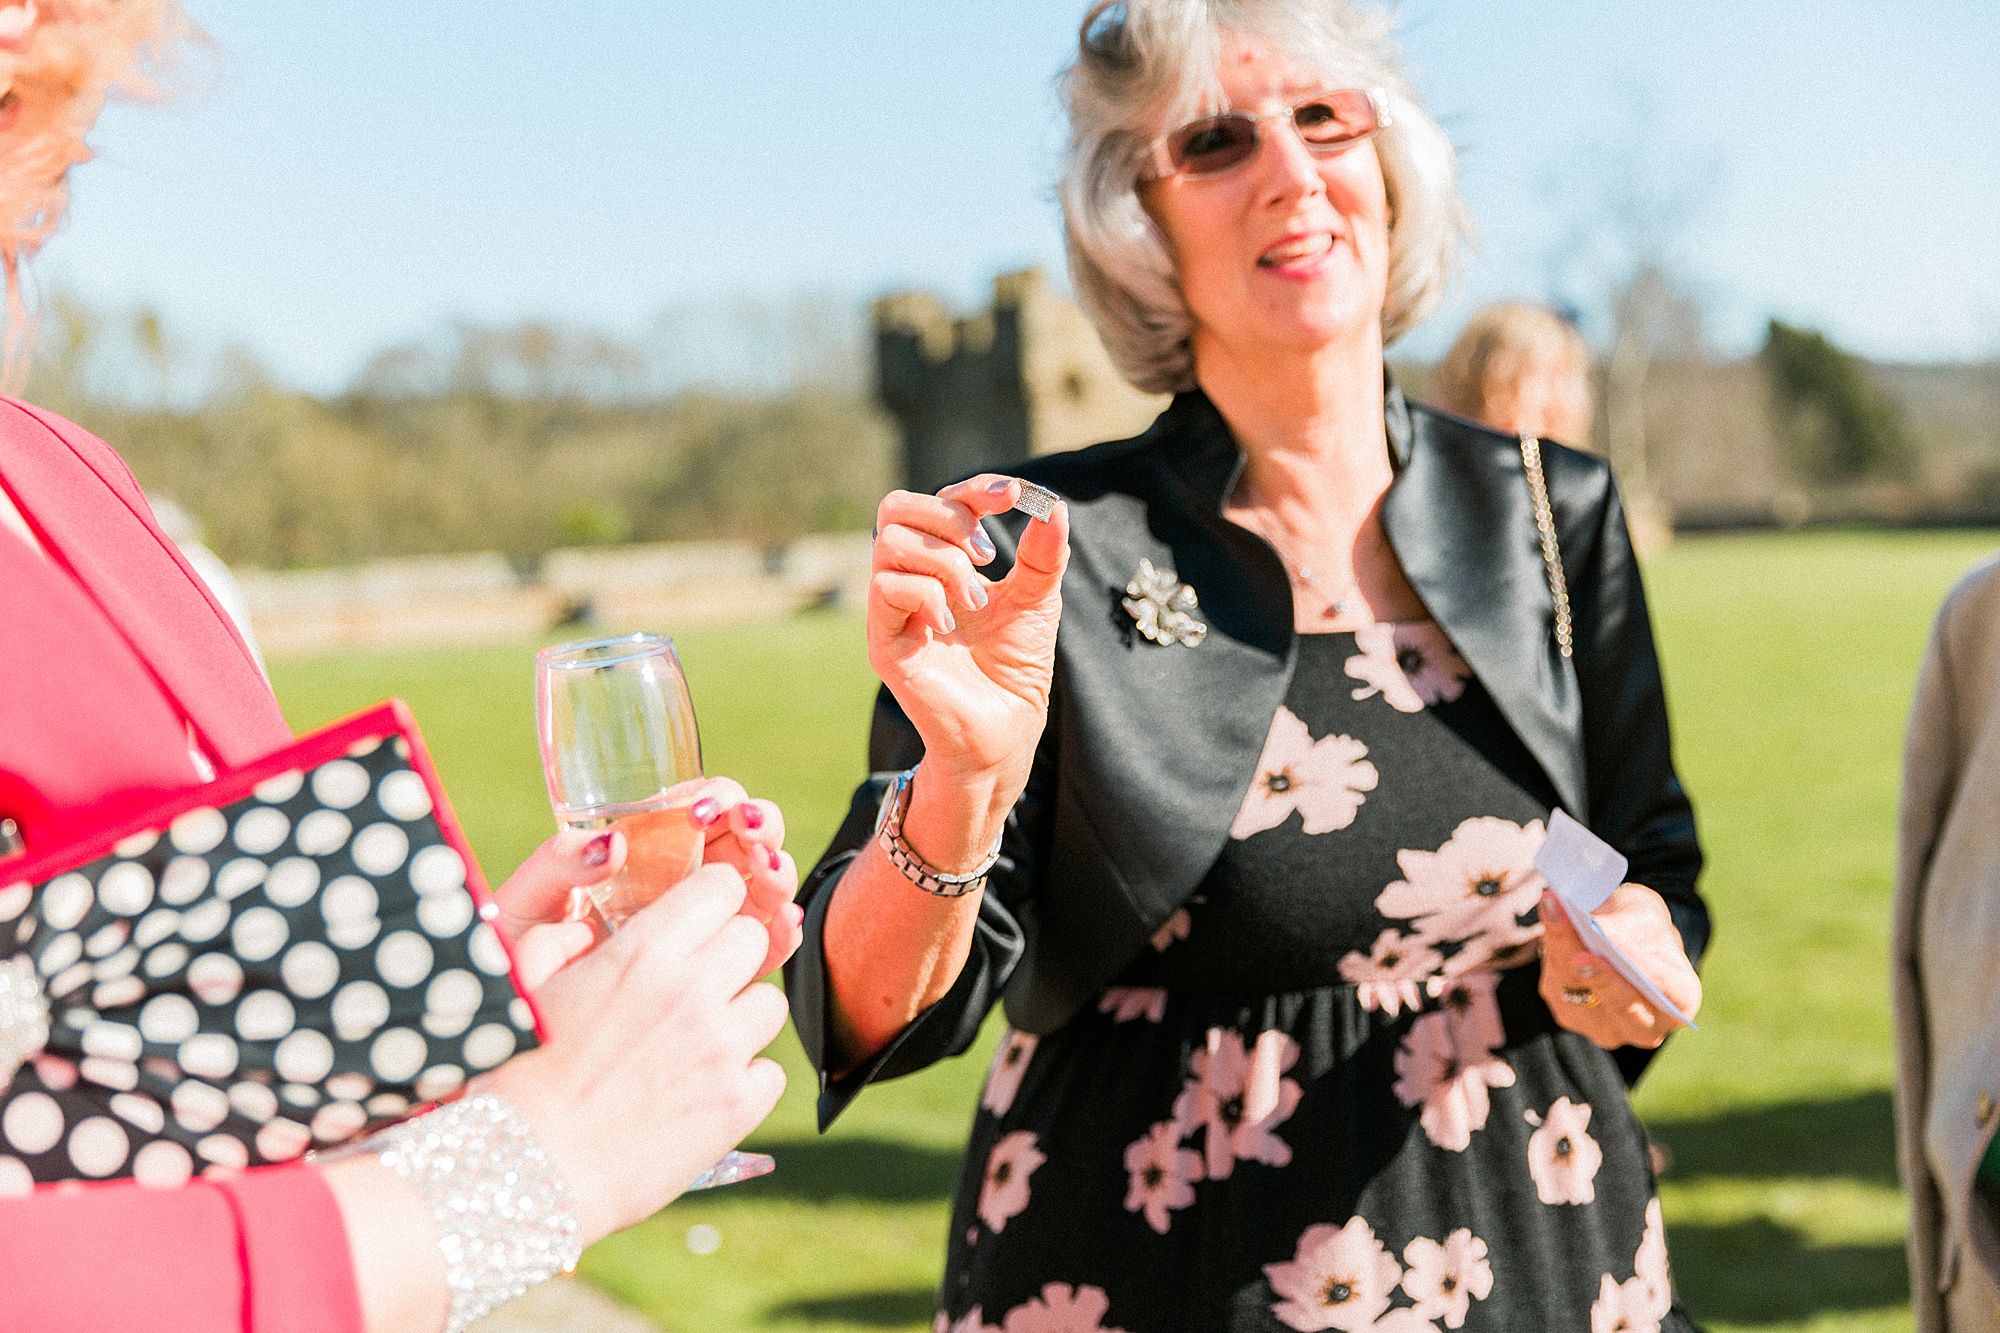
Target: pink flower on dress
column 1163, row 1174
column 1445, row 1279
column 1377, row 671
column 1649, row 1266
column 1323, row 780
column 1447, row 1063
column 1010, row 1064
column 1608, row 1313
column 1473, row 1004
column 1391, row 975
column 1240, row 1097
column 1175, row 927
column 1482, row 879
column 1062, row 1308
column 1623, row 1308
column 1562, row 1157
column 1125, row 1003
column 1638, row 1304
column 1340, row 1277
column 1004, row 1191
column 1409, row 665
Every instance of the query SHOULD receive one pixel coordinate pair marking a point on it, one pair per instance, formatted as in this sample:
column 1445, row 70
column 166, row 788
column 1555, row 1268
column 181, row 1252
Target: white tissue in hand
column 1583, row 869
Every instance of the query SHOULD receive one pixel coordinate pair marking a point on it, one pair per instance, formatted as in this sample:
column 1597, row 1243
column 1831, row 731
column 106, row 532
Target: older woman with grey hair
column 1226, row 771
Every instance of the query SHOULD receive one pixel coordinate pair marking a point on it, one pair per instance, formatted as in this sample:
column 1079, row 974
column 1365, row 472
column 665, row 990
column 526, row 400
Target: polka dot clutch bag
column 284, row 958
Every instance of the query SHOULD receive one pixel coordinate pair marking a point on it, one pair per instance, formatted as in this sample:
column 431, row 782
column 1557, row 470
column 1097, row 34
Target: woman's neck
column 1310, row 426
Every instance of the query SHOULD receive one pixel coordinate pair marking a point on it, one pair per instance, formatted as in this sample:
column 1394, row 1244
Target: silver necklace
column 1302, row 575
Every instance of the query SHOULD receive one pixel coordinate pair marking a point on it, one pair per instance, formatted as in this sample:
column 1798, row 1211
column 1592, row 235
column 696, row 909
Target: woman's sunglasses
column 1326, row 123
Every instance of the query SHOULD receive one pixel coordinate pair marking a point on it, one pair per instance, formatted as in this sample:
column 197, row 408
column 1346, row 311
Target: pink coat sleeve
column 262, row 1252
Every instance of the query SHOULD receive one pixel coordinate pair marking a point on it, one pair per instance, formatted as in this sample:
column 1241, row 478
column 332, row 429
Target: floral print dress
column 1330, row 1095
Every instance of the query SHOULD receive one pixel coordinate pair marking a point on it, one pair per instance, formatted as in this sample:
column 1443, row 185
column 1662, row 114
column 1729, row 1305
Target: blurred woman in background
column 1521, row 369
column 122, row 680
column 1231, row 786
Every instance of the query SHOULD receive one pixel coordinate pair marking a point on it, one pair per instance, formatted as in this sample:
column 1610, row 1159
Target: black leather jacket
column 1149, row 748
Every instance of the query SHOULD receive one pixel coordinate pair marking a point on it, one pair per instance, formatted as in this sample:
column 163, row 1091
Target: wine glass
column 618, row 736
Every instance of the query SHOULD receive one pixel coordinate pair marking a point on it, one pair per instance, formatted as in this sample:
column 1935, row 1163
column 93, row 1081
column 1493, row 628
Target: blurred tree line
column 1838, row 425
column 752, row 422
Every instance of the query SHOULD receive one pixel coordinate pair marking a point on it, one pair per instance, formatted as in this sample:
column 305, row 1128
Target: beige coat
column 1945, row 970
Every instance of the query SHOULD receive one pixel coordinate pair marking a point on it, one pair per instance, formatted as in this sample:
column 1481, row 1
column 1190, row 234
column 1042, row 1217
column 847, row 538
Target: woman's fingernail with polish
column 597, row 851
column 999, row 487
column 982, row 544
column 976, row 595
column 752, row 816
column 950, row 623
column 777, row 861
column 1586, row 971
column 705, row 811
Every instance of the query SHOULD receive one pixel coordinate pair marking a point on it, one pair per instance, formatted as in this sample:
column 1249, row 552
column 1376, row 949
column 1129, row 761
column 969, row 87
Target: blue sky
column 348, row 176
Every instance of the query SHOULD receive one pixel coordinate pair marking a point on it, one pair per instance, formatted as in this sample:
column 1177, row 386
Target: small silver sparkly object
column 1037, row 502
column 502, row 1209
column 1163, row 607
column 24, row 1015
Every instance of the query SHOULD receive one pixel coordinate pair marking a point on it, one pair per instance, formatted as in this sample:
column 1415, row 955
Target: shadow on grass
column 849, row 1170
column 872, row 1309
column 1852, row 1137
column 1758, row 1270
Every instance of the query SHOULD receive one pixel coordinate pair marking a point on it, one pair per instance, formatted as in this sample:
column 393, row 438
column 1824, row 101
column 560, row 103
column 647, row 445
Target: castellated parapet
column 1026, row 377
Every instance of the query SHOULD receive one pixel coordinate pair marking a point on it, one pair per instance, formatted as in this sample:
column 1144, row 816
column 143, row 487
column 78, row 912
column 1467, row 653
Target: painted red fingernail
column 775, row 859
column 752, row 816
column 705, row 811
column 598, row 850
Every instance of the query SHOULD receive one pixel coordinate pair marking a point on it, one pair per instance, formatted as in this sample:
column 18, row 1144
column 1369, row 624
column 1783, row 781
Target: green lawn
column 1789, row 660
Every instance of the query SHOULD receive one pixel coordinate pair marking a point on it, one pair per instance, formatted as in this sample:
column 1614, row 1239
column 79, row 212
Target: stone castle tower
column 1026, row 377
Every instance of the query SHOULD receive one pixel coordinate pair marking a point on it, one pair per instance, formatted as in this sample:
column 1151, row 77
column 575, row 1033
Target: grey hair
column 1143, row 64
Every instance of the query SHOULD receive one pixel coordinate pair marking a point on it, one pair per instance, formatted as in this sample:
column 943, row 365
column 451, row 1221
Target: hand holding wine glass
column 622, row 757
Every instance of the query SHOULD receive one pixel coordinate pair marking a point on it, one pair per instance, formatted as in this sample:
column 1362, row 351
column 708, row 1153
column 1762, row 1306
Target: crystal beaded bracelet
column 501, row 1206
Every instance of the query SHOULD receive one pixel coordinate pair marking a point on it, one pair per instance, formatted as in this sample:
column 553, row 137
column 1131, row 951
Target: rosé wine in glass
column 618, row 739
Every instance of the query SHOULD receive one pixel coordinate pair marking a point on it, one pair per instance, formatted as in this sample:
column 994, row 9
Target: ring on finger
column 1582, row 996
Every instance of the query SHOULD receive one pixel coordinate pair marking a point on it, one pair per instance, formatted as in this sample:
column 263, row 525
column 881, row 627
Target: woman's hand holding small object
column 971, row 661
column 1585, row 992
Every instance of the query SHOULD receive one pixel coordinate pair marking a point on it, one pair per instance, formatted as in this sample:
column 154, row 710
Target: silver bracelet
column 501, row 1207
column 889, row 832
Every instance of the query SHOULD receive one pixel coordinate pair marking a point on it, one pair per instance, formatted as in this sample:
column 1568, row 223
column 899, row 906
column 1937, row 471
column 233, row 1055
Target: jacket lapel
column 1153, row 776
column 1460, row 521
column 94, row 523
